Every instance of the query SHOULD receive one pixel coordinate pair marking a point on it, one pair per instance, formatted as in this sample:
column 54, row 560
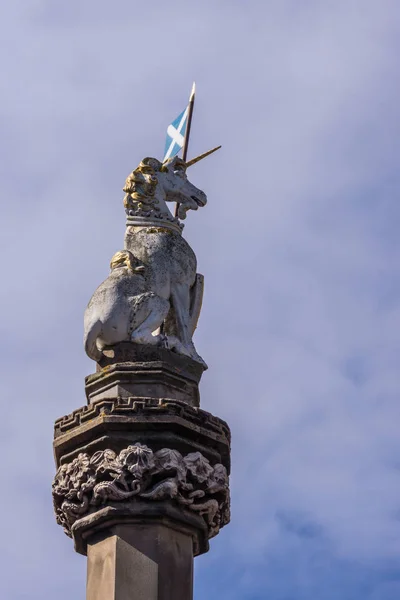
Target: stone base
column 142, row 478
column 128, row 369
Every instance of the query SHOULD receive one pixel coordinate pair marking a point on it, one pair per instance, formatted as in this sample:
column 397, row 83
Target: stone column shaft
column 140, row 562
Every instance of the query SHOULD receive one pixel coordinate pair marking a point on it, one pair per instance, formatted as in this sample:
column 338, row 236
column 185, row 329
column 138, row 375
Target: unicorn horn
column 193, row 161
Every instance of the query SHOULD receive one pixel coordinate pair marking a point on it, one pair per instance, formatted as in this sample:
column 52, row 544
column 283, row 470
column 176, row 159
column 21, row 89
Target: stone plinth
column 128, row 370
column 142, row 480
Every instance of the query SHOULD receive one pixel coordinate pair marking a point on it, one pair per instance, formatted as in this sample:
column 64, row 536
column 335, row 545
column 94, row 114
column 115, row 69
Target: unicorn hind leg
column 149, row 313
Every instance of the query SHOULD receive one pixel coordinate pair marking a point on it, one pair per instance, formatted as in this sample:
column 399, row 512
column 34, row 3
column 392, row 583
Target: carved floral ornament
column 88, row 482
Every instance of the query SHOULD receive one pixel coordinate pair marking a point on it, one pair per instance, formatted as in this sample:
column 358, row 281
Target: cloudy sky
column 299, row 244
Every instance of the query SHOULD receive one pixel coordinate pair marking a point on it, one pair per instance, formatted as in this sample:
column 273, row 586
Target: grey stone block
column 128, row 369
column 118, row 571
column 141, row 562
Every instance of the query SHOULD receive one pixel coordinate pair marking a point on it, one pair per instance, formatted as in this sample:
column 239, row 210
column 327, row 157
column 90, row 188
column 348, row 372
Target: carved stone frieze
column 90, row 482
column 142, row 406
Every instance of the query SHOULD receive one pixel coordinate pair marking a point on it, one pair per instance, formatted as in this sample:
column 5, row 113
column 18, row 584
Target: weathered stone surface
column 133, row 353
column 127, row 370
column 142, row 562
column 184, row 481
column 153, row 281
column 116, row 423
column 123, row 309
column 140, row 512
column 88, row 482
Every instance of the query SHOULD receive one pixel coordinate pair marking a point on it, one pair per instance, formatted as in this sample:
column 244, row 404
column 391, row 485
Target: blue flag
column 176, row 135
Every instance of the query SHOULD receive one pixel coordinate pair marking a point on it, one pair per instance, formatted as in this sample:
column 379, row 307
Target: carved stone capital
column 136, row 477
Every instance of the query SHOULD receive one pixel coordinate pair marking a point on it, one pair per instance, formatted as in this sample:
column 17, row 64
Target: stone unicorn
column 154, row 237
column 153, row 294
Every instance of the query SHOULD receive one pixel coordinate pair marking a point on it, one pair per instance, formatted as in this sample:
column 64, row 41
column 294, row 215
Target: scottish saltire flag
column 176, row 135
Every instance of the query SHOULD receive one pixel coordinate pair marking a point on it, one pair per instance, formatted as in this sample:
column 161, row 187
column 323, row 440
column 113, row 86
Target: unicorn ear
column 170, row 162
column 180, row 163
column 151, row 163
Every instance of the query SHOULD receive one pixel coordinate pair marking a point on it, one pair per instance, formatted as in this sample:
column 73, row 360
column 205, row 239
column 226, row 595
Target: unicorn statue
column 153, row 294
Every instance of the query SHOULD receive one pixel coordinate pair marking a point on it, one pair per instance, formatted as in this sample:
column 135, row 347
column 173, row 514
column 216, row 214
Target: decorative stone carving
column 89, row 482
column 154, row 281
column 147, row 407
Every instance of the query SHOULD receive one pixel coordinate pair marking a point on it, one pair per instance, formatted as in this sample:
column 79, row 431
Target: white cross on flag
column 176, row 135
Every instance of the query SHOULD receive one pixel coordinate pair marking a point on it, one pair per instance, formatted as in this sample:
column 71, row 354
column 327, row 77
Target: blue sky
column 299, row 245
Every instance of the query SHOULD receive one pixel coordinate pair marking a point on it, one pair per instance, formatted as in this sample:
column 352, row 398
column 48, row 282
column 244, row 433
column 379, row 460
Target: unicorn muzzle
column 200, row 199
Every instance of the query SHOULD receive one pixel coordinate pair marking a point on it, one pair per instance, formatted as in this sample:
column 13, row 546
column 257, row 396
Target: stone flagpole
column 142, row 471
